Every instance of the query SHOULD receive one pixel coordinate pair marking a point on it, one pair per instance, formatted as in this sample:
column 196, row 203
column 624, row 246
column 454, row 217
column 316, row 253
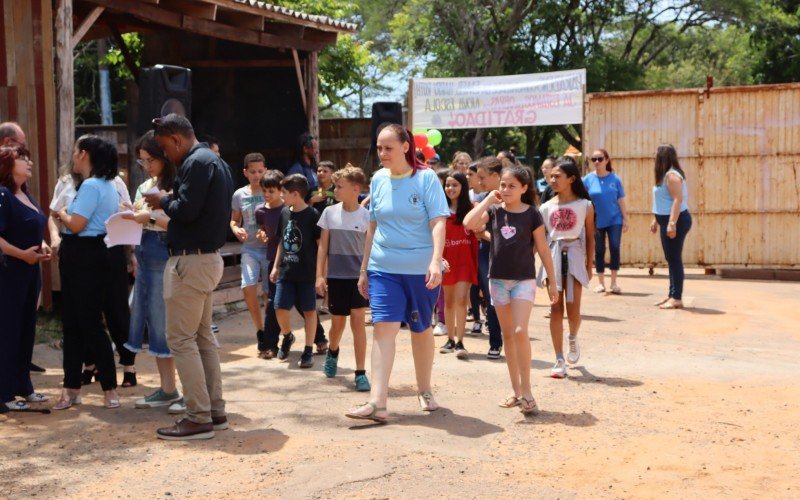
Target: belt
column 189, row 251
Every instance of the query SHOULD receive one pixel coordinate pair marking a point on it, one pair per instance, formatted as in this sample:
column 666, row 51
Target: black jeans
column 86, row 277
column 272, row 330
column 673, row 250
column 115, row 309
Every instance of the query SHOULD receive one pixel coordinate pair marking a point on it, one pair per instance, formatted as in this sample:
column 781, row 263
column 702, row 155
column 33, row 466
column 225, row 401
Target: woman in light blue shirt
column 402, row 267
column 671, row 214
column 87, row 270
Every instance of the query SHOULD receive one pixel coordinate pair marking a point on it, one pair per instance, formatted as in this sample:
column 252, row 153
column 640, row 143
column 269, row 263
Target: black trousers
column 272, row 330
column 19, row 292
column 116, row 310
column 86, row 278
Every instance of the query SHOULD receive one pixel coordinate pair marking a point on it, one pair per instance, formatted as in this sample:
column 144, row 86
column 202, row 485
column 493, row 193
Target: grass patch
column 48, row 328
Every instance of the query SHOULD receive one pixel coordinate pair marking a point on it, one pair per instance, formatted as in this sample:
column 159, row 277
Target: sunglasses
column 598, row 159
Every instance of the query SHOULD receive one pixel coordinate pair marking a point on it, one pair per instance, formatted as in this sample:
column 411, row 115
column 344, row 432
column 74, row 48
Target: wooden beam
column 280, row 29
column 64, row 81
column 315, row 35
column 204, row 27
column 130, row 62
column 86, row 24
column 300, row 80
column 313, row 94
column 240, row 19
column 228, row 63
column 278, row 16
column 199, row 10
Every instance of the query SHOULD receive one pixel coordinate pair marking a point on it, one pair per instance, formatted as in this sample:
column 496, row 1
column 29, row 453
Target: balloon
column 420, row 140
column 434, row 137
column 418, row 130
column 428, row 152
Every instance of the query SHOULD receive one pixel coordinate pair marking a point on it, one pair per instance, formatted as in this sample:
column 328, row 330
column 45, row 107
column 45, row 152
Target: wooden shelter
column 254, row 70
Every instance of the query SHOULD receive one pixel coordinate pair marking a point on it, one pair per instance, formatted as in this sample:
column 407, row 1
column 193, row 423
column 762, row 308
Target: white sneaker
column 559, row 369
column 574, row 353
column 477, row 328
column 440, row 330
column 177, row 407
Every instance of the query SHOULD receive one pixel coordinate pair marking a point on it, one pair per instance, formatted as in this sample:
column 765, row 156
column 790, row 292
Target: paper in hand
column 152, row 190
column 121, row 231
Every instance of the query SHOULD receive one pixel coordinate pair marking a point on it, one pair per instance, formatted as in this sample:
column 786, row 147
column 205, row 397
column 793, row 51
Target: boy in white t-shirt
column 246, row 201
column 341, row 250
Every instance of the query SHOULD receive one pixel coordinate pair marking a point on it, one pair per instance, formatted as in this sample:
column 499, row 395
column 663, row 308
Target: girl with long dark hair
column 516, row 228
column 461, row 252
column 671, row 215
column 569, row 220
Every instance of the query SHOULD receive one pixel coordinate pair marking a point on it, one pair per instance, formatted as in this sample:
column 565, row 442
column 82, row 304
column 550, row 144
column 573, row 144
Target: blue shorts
column 291, row 293
column 401, row 298
column 254, row 266
column 503, row 292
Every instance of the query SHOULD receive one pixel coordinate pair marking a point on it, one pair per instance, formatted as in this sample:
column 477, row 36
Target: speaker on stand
column 163, row 90
column 383, row 112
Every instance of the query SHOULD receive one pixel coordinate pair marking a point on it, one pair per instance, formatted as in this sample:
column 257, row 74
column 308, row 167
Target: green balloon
column 418, row 130
column 434, row 137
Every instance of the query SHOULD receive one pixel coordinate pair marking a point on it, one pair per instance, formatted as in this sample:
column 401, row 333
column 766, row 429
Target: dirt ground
column 702, row 402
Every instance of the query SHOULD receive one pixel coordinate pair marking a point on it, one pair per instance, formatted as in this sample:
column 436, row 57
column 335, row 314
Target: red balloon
column 428, row 152
column 420, row 141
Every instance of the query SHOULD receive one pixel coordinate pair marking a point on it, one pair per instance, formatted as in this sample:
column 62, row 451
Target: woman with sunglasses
column 611, row 217
column 21, row 230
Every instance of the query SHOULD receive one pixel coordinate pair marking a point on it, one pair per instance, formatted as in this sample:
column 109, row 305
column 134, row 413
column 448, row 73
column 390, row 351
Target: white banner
column 499, row 101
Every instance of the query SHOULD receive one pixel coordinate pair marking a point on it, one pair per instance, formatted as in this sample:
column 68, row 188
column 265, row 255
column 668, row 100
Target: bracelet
column 671, row 223
column 362, row 271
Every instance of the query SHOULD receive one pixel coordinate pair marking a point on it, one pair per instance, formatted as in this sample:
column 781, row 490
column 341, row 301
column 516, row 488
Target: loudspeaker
column 383, row 112
column 163, row 90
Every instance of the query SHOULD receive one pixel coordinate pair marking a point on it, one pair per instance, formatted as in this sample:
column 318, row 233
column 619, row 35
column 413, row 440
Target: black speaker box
column 163, row 90
column 382, row 112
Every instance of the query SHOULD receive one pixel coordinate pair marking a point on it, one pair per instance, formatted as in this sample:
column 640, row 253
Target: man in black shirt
column 199, row 208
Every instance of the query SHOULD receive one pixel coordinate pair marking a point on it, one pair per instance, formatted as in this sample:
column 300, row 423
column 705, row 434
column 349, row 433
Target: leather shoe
column 184, row 430
column 219, row 423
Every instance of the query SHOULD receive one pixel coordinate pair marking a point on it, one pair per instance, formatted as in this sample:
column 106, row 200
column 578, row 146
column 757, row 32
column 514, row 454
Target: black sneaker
column 461, row 352
column 448, row 347
column 286, row 346
column 494, row 353
column 306, row 360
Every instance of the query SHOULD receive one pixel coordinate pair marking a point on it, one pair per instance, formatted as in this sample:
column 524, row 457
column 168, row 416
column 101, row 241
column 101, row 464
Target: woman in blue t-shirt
column 86, row 268
column 402, row 267
column 611, row 217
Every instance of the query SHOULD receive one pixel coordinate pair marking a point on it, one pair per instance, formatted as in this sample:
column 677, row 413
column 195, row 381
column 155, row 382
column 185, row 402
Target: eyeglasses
column 598, row 159
column 148, row 161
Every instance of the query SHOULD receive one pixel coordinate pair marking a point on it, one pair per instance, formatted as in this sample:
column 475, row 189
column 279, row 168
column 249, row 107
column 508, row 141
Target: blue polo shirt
column 605, row 193
column 403, row 208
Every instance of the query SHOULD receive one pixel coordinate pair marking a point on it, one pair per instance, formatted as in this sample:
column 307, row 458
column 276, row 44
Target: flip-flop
column 670, row 305
column 372, row 416
column 509, row 402
column 660, row 302
column 528, row 406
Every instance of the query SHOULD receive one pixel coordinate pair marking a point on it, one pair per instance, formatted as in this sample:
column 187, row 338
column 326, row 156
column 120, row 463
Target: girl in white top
column 569, row 219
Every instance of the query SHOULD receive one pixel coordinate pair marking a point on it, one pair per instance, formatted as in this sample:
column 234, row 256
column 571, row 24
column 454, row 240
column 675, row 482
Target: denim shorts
column 401, row 298
column 291, row 293
column 254, row 265
column 147, row 309
column 504, row 291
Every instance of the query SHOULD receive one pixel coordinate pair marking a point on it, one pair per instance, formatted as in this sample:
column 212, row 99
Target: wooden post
column 300, row 80
column 64, row 82
column 583, row 168
column 313, row 94
column 410, row 106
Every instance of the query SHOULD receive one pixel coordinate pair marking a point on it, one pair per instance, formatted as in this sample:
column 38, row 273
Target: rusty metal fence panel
column 740, row 148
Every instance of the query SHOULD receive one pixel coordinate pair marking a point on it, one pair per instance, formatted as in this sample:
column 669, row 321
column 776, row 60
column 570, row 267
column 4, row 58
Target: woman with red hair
column 22, row 225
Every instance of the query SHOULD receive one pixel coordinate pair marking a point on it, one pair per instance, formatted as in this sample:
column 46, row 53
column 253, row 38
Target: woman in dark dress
column 22, row 225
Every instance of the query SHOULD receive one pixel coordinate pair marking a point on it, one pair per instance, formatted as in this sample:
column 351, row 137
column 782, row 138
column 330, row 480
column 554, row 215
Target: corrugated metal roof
column 321, row 20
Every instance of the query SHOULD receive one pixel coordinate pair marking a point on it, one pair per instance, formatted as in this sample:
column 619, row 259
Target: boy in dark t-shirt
column 294, row 269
